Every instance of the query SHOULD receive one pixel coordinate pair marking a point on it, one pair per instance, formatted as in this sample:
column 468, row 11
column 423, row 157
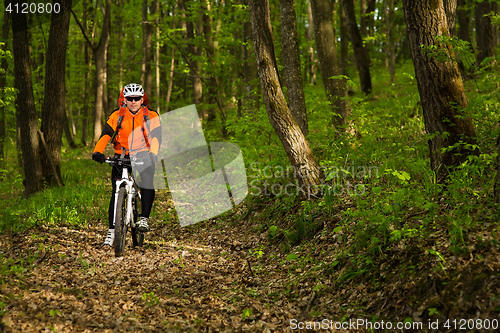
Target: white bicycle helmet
column 133, row 89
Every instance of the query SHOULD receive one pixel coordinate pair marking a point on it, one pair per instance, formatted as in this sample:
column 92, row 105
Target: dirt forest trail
column 194, row 279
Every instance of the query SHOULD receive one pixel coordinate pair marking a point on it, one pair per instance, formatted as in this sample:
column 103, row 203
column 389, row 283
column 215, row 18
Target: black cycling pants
column 147, row 194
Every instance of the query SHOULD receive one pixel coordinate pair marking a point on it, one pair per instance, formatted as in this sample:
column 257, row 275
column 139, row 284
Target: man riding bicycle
column 133, row 113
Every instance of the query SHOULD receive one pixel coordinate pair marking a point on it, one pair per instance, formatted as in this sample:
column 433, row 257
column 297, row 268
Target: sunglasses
column 130, row 99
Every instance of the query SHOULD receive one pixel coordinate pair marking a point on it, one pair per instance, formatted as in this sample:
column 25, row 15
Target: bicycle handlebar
column 123, row 161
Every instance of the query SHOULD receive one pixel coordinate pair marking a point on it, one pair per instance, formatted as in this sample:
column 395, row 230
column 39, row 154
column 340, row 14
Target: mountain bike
column 127, row 199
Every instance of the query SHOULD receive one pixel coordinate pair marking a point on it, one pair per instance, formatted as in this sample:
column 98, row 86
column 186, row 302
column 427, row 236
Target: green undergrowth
column 382, row 217
column 83, row 197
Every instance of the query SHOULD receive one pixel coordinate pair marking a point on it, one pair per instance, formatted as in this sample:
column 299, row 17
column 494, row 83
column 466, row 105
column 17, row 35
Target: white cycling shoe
column 143, row 224
column 110, row 238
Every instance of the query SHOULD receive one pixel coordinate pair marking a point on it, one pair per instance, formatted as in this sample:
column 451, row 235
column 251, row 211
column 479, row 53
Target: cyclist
column 120, row 125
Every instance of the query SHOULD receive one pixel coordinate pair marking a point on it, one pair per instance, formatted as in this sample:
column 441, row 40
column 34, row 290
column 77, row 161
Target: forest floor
column 187, row 280
column 209, row 278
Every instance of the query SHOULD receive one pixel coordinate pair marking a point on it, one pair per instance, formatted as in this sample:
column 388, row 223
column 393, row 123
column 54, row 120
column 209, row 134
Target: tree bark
column 213, row 90
column 194, row 52
column 147, row 35
column 324, row 37
column 285, row 126
column 54, row 104
column 464, row 14
column 3, row 78
column 450, row 9
column 442, row 93
column 344, row 41
column 291, row 64
column 312, row 62
column 485, row 30
column 25, row 106
column 360, row 51
column 251, row 100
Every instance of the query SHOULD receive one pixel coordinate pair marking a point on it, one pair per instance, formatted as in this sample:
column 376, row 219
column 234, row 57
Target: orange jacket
column 149, row 138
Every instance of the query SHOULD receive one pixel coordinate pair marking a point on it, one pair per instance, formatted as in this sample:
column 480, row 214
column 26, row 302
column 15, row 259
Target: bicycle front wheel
column 120, row 222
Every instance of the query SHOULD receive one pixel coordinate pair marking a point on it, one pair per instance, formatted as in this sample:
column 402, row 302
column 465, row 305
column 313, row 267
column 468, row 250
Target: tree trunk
column 344, row 41
column 362, row 17
column 442, row 93
column 450, row 9
column 360, row 52
column 25, row 106
column 147, row 34
column 212, row 95
column 312, row 62
column 464, row 14
column 370, row 17
column 193, row 53
column 485, row 30
column 291, row 65
column 156, row 6
column 281, row 119
column 324, row 37
column 54, row 104
column 3, row 78
column 391, row 45
column 252, row 93
column 100, row 53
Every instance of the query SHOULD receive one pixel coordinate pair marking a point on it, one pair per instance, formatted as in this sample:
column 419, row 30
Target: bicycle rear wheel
column 120, row 222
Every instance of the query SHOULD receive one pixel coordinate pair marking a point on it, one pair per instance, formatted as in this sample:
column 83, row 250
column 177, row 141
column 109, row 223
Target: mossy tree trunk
column 440, row 85
column 285, row 126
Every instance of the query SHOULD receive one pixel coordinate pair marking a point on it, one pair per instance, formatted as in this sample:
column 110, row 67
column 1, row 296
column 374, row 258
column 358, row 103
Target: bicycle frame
column 126, row 190
column 127, row 181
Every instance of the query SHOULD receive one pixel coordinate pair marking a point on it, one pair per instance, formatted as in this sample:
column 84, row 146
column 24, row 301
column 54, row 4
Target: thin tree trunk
column 252, row 93
column 193, row 52
column 334, row 83
column 3, row 78
column 157, row 55
column 391, row 45
column 360, row 51
column 281, row 119
column 485, row 30
column 147, row 35
column 464, row 14
column 213, row 90
column 344, row 40
column 100, row 53
column 291, row 64
column 442, row 93
column 312, row 62
column 54, row 105
column 25, row 106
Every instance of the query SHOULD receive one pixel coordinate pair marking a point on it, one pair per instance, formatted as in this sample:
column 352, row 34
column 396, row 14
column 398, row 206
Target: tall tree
column 442, row 93
column 464, row 14
column 450, row 9
column 285, row 126
column 360, row 51
column 335, row 85
column 147, row 36
column 25, row 105
column 99, row 51
column 54, row 104
column 291, row 64
column 311, row 62
column 4, row 67
column 485, row 30
column 194, row 51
